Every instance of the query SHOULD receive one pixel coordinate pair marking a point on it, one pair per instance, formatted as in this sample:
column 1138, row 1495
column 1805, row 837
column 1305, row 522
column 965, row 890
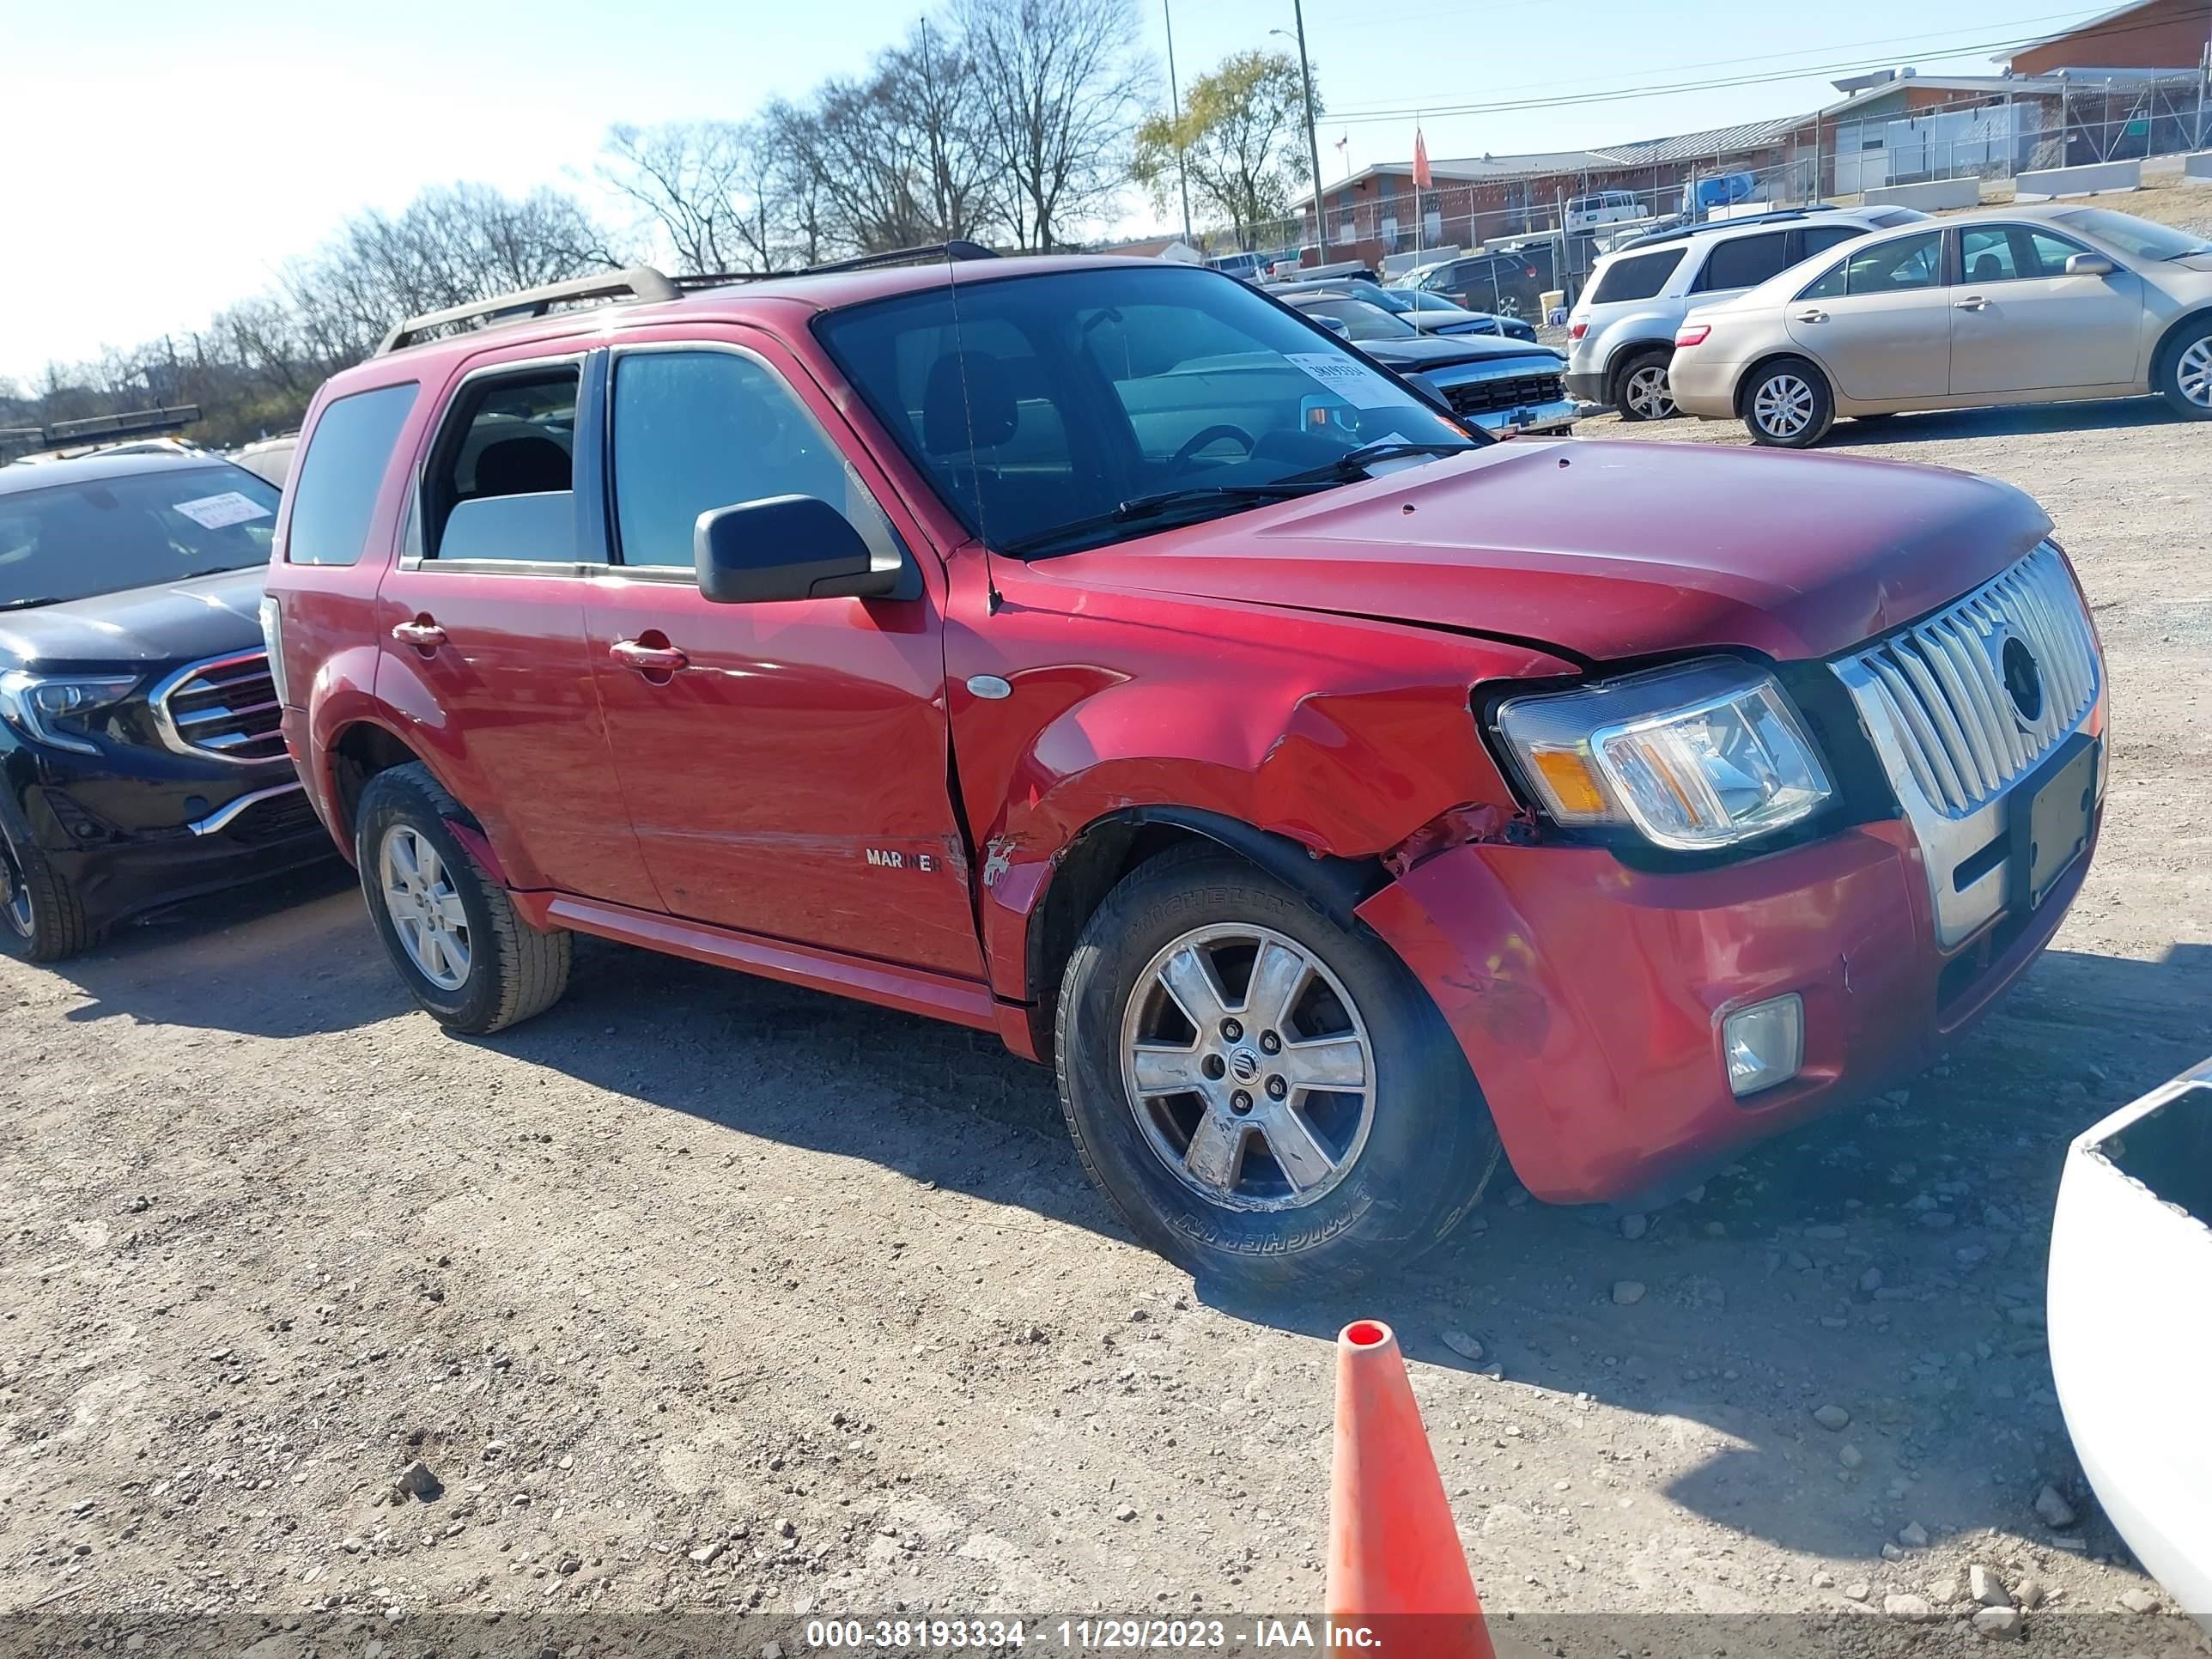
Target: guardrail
column 2079, row 182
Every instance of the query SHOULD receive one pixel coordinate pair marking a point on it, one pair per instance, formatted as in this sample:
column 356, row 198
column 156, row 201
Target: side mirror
column 1335, row 325
column 2088, row 265
column 785, row 547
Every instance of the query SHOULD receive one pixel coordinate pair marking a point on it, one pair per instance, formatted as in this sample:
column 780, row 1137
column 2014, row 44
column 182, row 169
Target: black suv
column 140, row 749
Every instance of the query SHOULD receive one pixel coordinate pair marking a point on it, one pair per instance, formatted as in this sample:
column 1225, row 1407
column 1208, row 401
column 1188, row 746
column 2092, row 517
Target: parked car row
column 2016, row 305
column 1108, row 656
column 1501, row 385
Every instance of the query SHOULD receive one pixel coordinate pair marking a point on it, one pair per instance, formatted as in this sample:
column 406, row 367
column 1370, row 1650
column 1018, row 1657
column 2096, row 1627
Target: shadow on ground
column 1887, row 1260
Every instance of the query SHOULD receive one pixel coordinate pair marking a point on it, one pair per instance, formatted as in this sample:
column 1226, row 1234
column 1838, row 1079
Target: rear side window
column 1636, row 277
column 334, row 487
column 1900, row 265
column 1819, row 239
column 1743, row 262
column 499, row 483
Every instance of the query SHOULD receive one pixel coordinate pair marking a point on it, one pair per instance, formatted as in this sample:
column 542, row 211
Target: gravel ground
column 700, row 1294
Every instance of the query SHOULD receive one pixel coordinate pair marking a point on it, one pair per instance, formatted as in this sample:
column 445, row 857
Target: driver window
column 698, row 430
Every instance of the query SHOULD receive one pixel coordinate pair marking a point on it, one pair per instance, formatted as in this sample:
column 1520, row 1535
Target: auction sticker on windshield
column 213, row 512
column 1354, row 382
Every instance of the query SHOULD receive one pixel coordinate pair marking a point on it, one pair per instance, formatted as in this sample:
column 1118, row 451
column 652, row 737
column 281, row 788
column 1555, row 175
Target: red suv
column 1098, row 653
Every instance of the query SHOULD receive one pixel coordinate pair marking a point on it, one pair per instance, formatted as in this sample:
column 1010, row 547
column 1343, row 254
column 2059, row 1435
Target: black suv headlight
column 51, row 709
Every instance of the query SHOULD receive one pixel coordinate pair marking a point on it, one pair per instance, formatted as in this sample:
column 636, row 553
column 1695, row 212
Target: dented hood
column 1608, row 551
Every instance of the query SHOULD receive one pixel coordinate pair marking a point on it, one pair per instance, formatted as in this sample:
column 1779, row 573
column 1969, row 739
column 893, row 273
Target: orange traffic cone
column 1395, row 1563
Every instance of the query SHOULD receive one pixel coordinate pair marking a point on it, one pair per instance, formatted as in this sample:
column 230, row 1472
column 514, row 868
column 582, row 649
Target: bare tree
column 709, row 188
column 1060, row 83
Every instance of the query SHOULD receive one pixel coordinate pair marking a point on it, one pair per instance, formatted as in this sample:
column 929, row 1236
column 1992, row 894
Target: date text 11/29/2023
column 1084, row 1635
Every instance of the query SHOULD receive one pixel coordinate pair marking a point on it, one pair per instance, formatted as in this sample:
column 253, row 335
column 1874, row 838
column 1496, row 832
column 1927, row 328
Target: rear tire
column 41, row 918
column 452, row 932
column 2184, row 377
column 1640, row 391
column 1787, row 403
column 1245, row 1185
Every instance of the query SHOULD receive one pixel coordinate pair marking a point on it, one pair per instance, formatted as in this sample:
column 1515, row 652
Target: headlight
column 43, row 709
column 1696, row 757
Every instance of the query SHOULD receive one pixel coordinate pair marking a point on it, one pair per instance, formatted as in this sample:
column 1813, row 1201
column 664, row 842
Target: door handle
column 648, row 659
column 423, row 634
column 1972, row 302
column 1815, row 315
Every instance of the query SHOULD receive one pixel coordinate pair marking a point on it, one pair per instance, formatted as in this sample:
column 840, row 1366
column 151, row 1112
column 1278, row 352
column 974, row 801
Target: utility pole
column 1313, row 141
column 1175, row 108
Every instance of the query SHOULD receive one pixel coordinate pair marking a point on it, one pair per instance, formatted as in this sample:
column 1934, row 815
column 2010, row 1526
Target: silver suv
column 1620, row 334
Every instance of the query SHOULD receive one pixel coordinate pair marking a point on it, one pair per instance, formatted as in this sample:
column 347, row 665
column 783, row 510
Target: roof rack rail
column 1707, row 227
column 956, row 249
column 639, row 282
column 134, row 424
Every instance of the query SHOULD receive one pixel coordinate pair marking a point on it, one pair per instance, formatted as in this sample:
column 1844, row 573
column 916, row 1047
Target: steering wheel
column 1213, row 434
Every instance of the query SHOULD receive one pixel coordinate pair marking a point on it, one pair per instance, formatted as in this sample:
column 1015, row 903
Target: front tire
column 1788, row 404
column 1640, row 391
column 2184, row 378
column 452, row 932
column 1269, row 1099
column 41, row 917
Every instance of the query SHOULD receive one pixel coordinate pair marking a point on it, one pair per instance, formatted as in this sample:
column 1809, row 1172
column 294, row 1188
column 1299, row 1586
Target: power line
column 1761, row 57
column 1720, row 83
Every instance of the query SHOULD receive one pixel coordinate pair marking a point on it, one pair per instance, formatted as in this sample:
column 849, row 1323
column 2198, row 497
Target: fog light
column 1764, row 1044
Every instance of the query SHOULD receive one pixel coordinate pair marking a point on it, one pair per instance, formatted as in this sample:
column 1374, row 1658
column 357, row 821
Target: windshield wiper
column 1163, row 501
column 1354, row 463
column 28, row 604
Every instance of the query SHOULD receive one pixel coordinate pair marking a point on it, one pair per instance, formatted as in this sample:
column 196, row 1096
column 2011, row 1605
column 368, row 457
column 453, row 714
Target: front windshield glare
column 2132, row 235
column 73, row 541
column 1052, row 399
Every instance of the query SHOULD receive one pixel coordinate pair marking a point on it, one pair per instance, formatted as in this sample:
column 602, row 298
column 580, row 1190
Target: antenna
column 991, row 597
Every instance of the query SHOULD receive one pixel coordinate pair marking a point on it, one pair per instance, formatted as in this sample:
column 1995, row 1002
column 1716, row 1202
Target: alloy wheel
column 16, row 891
column 2193, row 373
column 425, row 907
column 1783, row 406
column 1647, row 392
column 1250, row 1068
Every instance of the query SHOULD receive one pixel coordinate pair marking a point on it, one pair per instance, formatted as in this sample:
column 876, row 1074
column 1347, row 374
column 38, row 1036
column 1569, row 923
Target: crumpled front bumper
column 1588, row 996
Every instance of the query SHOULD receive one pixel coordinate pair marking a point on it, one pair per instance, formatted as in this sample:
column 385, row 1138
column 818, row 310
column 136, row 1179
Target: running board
column 912, row 990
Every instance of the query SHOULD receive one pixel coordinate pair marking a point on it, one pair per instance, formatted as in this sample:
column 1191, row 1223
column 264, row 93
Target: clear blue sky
column 164, row 159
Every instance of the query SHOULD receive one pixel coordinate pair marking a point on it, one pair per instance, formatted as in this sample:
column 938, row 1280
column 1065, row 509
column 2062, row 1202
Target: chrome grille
column 1952, row 736
column 1941, row 683
column 226, row 707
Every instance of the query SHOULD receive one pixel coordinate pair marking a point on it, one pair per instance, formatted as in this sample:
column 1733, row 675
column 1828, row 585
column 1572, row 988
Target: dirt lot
column 702, row 1295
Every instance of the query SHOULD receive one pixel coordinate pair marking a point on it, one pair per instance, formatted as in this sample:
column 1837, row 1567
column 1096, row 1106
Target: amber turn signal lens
column 1573, row 783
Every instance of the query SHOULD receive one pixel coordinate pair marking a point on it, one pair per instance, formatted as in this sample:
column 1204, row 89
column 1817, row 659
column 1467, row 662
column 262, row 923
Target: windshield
column 1054, row 399
column 74, row 541
column 2139, row 237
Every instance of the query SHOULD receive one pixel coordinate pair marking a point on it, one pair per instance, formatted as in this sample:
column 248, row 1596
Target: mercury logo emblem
column 1244, row 1065
column 2023, row 678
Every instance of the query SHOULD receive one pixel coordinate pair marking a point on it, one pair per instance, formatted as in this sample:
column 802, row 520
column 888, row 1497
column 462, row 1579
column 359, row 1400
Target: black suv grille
column 1489, row 397
column 226, row 707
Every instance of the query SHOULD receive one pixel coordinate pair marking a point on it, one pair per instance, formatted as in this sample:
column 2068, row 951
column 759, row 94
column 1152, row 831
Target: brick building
column 2148, row 34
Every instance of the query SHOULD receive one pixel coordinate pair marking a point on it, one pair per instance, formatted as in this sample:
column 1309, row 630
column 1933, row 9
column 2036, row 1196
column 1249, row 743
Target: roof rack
column 97, row 430
column 956, row 249
column 1652, row 239
column 638, row 282
column 643, row 283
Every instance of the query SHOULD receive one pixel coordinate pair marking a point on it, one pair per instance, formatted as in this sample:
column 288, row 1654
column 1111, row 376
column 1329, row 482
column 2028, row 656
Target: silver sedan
column 2020, row 305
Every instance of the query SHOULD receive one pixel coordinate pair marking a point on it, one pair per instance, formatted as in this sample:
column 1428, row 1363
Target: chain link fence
column 1557, row 223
